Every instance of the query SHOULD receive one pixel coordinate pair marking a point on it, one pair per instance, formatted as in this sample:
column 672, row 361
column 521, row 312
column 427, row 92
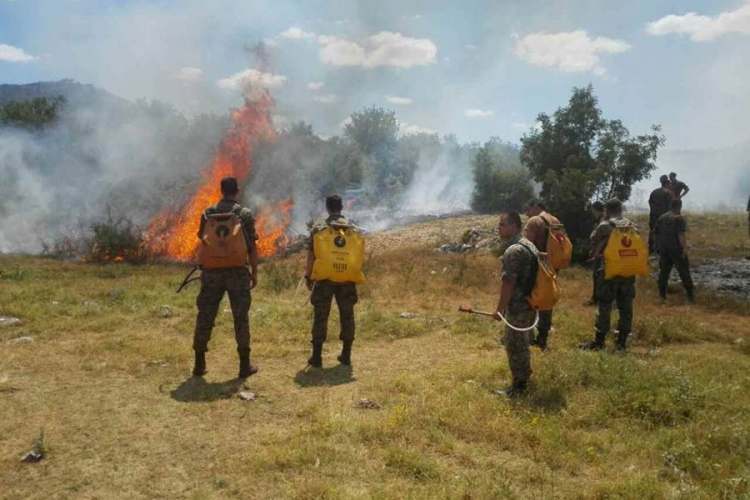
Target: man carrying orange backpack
column 539, row 230
column 227, row 234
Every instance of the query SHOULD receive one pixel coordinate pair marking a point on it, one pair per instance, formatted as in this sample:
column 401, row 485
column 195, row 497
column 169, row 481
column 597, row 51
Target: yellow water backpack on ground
column 545, row 291
column 625, row 254
column 559, row 247
column 339, row 255
column 223, row 242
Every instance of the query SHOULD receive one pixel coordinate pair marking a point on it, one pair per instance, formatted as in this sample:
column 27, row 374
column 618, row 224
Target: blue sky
column 474, row 68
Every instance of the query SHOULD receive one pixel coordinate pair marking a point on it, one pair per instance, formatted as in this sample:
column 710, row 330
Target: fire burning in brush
column 174, row 233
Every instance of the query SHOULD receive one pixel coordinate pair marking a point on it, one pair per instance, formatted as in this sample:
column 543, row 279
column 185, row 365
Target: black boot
column 595, row 345
column 515, row 390
column 199, row 369
column 316, row 360
column 622, row 340
column 345, row 358
column 246, row 369
column 691, row 297
column 540, row 341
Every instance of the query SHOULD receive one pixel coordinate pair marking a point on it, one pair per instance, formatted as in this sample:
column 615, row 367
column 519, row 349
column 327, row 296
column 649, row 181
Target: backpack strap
column 533, row 269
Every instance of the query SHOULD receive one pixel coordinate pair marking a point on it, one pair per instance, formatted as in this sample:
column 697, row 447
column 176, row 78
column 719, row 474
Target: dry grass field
column 107, row 380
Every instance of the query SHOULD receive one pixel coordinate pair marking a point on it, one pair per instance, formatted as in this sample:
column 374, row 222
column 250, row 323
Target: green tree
column 32, row 114
column 578, row 157
column 499, row 181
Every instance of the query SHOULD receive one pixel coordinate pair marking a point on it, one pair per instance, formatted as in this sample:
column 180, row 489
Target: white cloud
column 383, row 49
column 326, row 99
column 188, row 74
column 571, row 51
column 295, row 33
column 703, row 28
column 478, row 113
column 400, row 101
column 251, row 78
column 9, row 53
column 471, row 47
column 410, row 129
column 316, row 85
column 346, row 121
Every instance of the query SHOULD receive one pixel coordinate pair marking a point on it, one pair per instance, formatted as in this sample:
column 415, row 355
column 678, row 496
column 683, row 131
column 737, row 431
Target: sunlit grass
column 107, row 378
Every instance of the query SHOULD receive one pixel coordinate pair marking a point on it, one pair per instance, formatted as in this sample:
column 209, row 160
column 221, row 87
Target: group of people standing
column 238, row 278
column 523, row 244
column 667, row 228
column 519, row 269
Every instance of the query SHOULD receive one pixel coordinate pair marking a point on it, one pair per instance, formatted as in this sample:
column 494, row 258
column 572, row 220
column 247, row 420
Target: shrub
column 116, row 240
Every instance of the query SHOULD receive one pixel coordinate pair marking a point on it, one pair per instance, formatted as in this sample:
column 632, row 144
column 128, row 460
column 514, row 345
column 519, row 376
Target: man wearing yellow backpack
column 334, row 266
column 538, row 231
column 227, row 234
column 623, row 256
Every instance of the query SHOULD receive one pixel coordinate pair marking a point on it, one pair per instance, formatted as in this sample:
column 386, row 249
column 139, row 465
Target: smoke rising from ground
column 137, row 158
column 134, row 159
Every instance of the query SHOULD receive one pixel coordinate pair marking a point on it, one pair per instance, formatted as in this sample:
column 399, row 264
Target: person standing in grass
column 670, row 238
column 324, row 291
column 236, row 280
column 536, row 231
column 597, row 210
column 659, row 203
column 517, row 280
column 617, row 289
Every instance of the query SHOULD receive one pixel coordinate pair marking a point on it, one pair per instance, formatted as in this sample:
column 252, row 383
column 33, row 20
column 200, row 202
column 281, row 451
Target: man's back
column 536, row 229
column 668, row 229
column 660, row 200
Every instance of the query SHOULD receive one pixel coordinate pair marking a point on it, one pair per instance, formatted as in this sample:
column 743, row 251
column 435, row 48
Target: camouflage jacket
column 519, row 262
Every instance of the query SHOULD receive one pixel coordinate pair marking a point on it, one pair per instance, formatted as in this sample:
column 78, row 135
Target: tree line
column 570, row 158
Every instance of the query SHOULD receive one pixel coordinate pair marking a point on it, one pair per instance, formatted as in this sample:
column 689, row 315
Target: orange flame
column 175, row 233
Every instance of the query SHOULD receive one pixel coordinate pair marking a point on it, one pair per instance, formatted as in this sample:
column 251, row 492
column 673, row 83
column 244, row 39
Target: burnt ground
column 728, row 276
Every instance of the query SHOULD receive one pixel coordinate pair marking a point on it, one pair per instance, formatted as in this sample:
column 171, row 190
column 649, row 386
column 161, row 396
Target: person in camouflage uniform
column 670, row 238
column 235, row 281
column 324, row 291
column 618, row 289
column 518, row 276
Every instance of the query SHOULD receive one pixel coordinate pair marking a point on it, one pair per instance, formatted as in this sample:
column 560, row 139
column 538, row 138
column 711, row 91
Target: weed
column 278, row 277
column 15, row 274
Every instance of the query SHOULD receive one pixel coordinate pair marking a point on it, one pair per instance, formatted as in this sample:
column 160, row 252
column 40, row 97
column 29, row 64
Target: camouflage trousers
column 517, row 343
column 669, row 259
column 321, row 297
column 214, row 282
column 620, row 291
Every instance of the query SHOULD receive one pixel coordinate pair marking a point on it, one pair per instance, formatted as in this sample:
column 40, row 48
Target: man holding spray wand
column 517, row 281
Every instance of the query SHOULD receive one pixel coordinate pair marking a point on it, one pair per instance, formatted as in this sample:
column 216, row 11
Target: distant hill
column 77, row 94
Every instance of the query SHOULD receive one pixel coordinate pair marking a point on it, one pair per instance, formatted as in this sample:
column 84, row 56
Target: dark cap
column 229, row 186
column 333, row 203
column 613, row 205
